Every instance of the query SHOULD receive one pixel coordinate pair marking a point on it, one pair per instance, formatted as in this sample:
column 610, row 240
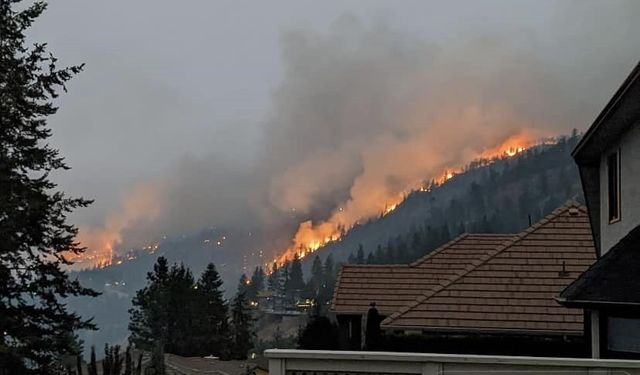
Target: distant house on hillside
column 490, row 294
column 608, row 157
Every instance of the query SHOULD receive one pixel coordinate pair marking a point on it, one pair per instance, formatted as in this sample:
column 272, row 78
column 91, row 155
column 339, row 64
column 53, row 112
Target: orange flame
column 311, row 236
column 142, row 203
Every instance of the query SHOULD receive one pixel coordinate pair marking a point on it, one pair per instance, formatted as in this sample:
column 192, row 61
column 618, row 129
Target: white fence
column 318, row 362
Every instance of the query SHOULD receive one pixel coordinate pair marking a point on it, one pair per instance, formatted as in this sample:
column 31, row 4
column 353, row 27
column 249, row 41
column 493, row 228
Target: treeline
column 288, row 281
column 504, row 198
column 175, row 313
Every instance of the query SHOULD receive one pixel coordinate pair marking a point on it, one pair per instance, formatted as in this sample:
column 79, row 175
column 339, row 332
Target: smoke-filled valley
column 365, row 113
column 500, row 196
column 361, row 118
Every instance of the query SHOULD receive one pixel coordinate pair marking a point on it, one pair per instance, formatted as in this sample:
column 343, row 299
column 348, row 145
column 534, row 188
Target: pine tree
column 92, row 368
column 79, row 364
column 370, row 259
column 295, row 283
column 317, row 275
column 139, row 365
column 213, row 312
column 257, row 283
column 360, row 255
column 149, row 317
column 243, row 285
column 273, row 280
column 241, row 327
column 128, row 364
column 182, row 336
column 37, row 242
column 107, row 361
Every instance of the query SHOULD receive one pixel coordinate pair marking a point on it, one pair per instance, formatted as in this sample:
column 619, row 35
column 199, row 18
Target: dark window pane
column 613, row 186
column 623, row 335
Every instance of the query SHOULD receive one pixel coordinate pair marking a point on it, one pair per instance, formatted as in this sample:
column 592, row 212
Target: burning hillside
column 363, row 116
column 311, row 236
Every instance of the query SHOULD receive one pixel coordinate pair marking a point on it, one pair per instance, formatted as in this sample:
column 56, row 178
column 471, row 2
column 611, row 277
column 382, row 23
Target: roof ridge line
column 485, row 258
column 439, row 249
column 423, row 297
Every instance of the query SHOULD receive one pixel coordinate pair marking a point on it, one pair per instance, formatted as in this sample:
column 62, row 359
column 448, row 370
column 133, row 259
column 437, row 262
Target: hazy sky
column 173, row 90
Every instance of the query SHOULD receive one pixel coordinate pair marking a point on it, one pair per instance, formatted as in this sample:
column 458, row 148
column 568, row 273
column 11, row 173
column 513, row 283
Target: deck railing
column 318, row 362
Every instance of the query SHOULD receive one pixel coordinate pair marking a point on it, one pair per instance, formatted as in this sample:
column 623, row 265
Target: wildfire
column 311, row 236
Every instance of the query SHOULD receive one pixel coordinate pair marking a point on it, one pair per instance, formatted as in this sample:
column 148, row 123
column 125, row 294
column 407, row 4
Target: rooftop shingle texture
column 612, row 280
column 513, row 287
column 394, row 286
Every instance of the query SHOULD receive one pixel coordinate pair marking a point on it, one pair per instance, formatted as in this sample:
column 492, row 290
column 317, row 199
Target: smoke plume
column 367, row 110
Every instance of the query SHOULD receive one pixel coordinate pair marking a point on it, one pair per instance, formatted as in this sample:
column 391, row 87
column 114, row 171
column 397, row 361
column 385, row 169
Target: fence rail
column 318, row 362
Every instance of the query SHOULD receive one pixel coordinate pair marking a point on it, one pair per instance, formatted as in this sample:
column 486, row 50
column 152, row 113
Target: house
column 395, row 286
column 484, row 294
column 608, row 157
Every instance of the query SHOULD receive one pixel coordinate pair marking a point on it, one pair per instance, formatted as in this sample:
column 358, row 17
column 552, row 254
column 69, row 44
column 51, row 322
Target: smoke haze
column 359, row 108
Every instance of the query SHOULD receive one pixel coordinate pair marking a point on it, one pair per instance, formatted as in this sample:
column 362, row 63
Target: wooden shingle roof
column 513, row 287
column 394, row 286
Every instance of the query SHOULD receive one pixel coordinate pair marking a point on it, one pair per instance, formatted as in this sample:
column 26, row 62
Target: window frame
column 618, row 190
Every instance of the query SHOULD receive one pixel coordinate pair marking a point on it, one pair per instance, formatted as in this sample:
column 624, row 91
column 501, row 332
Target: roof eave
column 580, row 149
column 459, row 330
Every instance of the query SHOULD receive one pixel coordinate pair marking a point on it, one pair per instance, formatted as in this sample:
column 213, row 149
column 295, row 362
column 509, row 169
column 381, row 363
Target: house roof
column 612, row 280
column 513, row 287
column 394, row 286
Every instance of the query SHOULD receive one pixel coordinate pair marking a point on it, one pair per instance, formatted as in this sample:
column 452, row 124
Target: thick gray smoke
column 366, row 110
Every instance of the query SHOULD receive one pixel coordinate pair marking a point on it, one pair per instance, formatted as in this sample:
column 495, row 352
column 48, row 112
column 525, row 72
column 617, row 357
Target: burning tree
column 36, row 239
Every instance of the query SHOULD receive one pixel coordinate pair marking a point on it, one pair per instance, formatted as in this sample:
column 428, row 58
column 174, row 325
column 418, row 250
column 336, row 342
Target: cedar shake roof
column 394, row 286
column 513, row 287
column 612, row 280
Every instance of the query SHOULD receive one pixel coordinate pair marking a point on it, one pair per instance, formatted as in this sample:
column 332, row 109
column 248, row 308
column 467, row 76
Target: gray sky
column 200, row 98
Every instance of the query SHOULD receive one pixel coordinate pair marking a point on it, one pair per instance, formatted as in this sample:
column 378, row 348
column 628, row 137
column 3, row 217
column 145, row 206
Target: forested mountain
column 502, row 197
column 499, row 197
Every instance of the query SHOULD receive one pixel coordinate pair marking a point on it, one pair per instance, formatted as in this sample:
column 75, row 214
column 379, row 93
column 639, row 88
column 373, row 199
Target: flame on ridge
column 311, row 236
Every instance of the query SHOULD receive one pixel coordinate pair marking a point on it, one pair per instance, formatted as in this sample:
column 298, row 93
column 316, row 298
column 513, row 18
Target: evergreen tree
column 212, row 314
column 243, row 285
column 37, row 242
column 370, row 259
column 296, row 278
column 241, row 328
column 79, row 364
column 257, row 283
column 273, row 280
column 107, row 361
column 157, row 365
column 139, row 365
column 92, row 368
column 183, row 316
column 360, row 255
column 317, row 275
column 128, row 364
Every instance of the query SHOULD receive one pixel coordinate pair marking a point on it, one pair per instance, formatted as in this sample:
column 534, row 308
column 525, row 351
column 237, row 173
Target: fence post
column 432, row 368
column 277, row 366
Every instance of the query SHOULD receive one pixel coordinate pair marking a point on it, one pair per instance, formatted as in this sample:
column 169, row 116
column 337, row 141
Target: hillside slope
column 503, row 197
column 496, row 198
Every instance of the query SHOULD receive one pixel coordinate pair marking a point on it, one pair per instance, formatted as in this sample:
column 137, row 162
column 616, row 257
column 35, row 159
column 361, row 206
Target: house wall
column 611, row 233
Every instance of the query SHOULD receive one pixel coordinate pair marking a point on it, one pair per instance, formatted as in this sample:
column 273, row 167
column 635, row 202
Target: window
column 623, row 334
column 613, row 173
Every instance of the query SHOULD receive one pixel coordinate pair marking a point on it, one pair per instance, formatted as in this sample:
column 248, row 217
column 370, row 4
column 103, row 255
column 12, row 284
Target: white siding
column 629, row 147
